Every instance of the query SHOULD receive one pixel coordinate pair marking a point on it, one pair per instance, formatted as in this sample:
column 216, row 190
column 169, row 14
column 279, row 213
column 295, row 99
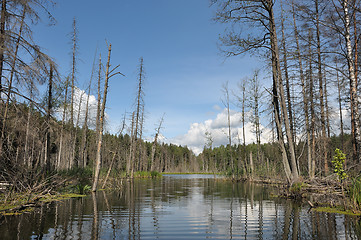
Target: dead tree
column 260, row 15
column 226, row 103
column 108, row 74
column 138, row 114
column 154, row 145
column 298, row 58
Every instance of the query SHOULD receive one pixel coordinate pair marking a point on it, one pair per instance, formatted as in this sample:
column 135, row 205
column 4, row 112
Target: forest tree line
column 311, row 48
column 312, row 53
column 43, row 132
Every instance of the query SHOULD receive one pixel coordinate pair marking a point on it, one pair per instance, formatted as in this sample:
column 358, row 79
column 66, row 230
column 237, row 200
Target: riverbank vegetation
column 48, row 139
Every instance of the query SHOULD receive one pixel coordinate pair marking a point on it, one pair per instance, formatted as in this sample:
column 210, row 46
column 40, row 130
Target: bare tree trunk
column 138, row 112
column 101, row 122
column 243, row 124
column 73, row 71
column 62, row 126
column 321, row 92
column 353, row 128
column 340, row 107
column 328, row 127
column 27, row 162
column 12, row 75
column 279, row 86
column 285, row 69
column 74, row 42
column 2, row 41
column 280, row 139
column 109, row 170
column 99, row 93
column 312, row 107
column 251, row 167
column 353, row 81
column 154, row 145
column 130, row 165
column 304, row 95
column 48, row 118
column 140, row 146
column 226, row 103
column 83, row 148
column 74, row 161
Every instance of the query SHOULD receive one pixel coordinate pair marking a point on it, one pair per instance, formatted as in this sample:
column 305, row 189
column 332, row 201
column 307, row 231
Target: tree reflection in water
column 182, row 207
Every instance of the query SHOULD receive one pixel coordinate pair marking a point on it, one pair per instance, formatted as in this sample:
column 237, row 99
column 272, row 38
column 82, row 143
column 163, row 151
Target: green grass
column 185, row 173
column 144, row 174
column 338, row 210
column 355, row 192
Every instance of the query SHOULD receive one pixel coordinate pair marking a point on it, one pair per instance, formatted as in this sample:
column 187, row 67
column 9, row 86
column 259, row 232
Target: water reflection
column 181, row 207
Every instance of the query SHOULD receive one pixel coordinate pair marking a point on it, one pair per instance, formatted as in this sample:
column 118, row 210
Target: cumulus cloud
column 195, row 138
column 80, row 100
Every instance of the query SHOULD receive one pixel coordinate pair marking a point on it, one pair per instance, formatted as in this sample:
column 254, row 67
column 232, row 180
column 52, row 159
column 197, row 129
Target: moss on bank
column 338, row 209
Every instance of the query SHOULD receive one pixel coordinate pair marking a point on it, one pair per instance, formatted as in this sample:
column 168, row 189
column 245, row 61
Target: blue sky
column 178, row 41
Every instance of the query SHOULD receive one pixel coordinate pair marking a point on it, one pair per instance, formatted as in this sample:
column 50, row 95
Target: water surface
column 179, row 207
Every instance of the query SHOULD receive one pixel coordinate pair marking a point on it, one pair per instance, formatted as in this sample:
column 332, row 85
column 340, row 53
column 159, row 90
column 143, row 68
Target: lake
column 180, row 207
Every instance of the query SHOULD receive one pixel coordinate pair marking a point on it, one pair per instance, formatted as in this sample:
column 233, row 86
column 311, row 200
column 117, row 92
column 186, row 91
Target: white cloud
column 80, row 100
column 195, row 138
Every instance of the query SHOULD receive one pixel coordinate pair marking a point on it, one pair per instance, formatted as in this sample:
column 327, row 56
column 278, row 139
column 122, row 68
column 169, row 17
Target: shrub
column 338, row 161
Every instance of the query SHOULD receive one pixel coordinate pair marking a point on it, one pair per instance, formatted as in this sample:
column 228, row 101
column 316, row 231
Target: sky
column 184, row 68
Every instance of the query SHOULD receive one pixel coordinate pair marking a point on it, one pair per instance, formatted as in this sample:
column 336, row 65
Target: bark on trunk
column 2, row 41
column 101, row 124
column 304, row 95
column 279, row 86
column 321, row 91
column 352, row 77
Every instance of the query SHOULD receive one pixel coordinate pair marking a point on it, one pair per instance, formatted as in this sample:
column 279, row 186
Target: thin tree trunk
column 12, row 75
column 279, row 87
column 304, row 95
column 251, row 167
column 73, row 70
column 99, row 93
column 353, row 81
column 83, row 148
column 154, row 145
column 2, row 41
column 340, row 108
column 227, row 105
column 138, row 114
column 243, row 123
column 27, row 162
column 75, row 163
column 285, row 69
column 48, row 116
column 101, row 124
column 328, row 126
column 74, row 42
column 141, row 160
column 109, row 170
column 62, row 126
column 130, row 157
column 321, row 92
column 312, row 107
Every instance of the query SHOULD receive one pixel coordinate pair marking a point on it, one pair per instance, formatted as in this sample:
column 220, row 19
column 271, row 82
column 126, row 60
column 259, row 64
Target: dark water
column 179, row 207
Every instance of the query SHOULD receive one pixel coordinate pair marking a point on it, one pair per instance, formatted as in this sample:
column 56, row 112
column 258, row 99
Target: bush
column 338, row 161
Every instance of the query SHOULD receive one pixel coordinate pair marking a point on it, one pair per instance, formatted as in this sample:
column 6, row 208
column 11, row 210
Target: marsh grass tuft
column 355, row 192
